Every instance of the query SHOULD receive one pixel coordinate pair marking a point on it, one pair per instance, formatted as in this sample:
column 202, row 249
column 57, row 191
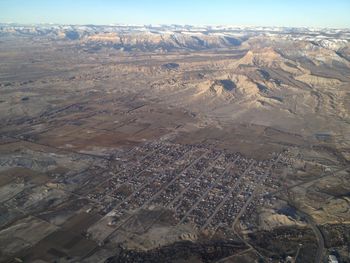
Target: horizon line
column 166, row 24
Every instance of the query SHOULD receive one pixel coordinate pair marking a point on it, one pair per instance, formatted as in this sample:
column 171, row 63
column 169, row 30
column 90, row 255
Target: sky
column 294, row 13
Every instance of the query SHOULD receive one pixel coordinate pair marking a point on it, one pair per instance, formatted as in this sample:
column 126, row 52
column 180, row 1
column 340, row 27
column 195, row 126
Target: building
column 332, row 259
column 289, row 259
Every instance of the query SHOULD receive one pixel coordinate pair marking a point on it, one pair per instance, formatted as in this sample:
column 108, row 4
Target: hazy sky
column 316, row 13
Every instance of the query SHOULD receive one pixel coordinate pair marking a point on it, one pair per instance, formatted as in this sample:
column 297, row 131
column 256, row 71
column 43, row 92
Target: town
column 204, row 187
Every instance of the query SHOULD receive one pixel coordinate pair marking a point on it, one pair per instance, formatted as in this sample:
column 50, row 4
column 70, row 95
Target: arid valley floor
column 174, row 144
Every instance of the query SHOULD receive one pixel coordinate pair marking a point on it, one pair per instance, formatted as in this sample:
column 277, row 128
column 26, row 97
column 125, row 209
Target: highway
column 308, row 181
column 318, row 234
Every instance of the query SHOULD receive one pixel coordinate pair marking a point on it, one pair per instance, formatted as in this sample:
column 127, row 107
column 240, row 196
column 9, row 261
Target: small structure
column 332, row 259
column 289, row 259
column 188, row 236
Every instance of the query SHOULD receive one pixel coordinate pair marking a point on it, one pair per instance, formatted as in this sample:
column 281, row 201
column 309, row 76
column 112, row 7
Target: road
column 256, row 191
column 204, row 195
column 179, row 196
column 308, row 181
column 227, row 196
column 318, row 234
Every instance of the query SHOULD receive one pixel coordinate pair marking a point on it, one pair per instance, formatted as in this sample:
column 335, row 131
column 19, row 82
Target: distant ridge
column 172, row 37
